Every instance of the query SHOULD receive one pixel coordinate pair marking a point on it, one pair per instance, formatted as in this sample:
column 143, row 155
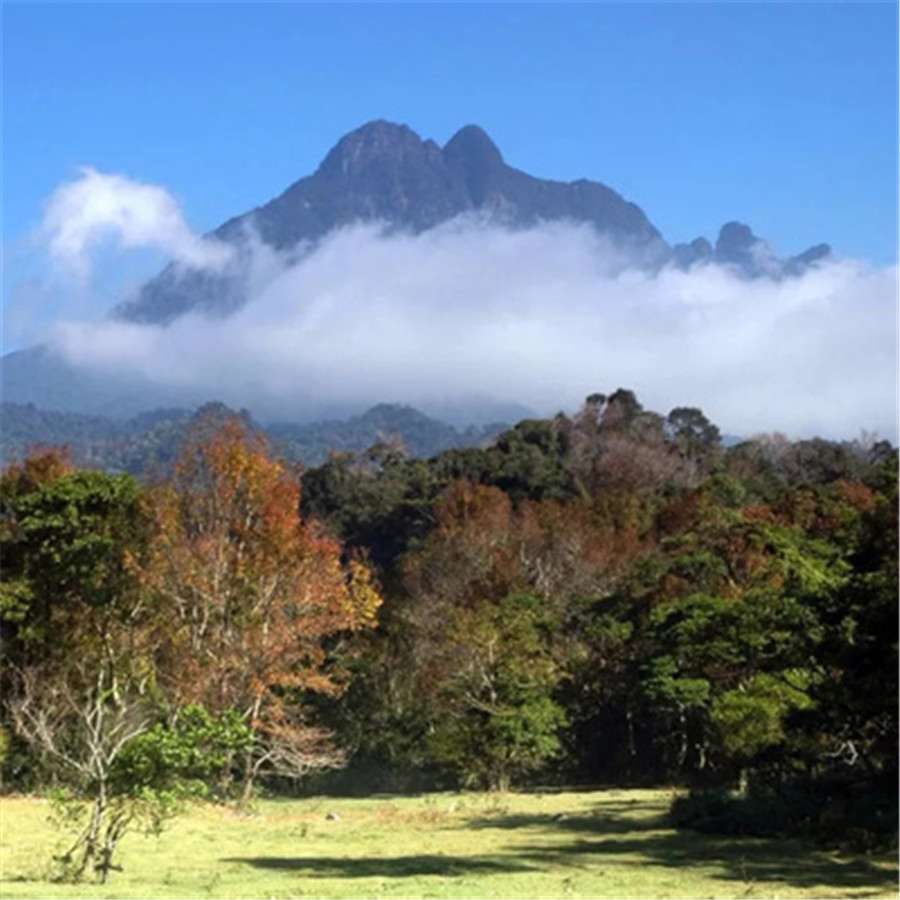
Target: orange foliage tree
column 499, row 600
column 257, row 596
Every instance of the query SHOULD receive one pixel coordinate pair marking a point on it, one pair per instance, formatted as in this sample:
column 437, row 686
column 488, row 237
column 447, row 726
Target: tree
column 857, row 699
column 738, row 607
column 697, row 440
column 378, row 500
column 67, row 538
column 257, row 597
column 78, row 647
column 619, row 450
column 495, row 616
column 498, row 718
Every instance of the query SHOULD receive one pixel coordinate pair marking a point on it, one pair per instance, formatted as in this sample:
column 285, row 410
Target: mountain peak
column 735, row 236
column 738, row 246
column 473, row 155
column 374, row 140
column 379, row 130
column 472, row 143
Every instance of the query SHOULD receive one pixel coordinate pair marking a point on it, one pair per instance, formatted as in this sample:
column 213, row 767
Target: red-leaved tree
column 257, row 596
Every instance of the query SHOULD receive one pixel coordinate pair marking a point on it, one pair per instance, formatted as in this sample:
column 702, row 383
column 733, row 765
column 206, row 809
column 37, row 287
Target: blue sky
column 783, row 115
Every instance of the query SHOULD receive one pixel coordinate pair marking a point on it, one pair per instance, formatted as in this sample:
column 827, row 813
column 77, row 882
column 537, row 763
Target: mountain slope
column 148, row 444
column 386, row 173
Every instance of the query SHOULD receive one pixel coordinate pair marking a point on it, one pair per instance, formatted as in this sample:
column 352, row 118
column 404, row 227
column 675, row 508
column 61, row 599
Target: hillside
column 148, row 443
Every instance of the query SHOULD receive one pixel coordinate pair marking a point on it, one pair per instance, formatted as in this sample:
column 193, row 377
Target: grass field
column 611, row 843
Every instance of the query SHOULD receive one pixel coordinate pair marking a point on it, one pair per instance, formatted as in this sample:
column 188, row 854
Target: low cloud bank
column 541, row 317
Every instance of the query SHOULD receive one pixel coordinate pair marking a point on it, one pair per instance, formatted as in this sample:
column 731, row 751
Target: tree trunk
column 248, row 779
column 500, row 782
column 683, row 738
column 743, row 782
column 92, row 837
column 701, row 756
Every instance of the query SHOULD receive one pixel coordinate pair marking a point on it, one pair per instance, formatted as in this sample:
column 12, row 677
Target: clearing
column 605, row 843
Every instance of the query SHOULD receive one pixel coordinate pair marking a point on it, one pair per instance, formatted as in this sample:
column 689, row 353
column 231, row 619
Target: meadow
column 603, row 843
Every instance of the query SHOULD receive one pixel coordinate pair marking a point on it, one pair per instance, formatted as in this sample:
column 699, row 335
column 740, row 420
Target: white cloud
column 541, row 317
column 97, row 207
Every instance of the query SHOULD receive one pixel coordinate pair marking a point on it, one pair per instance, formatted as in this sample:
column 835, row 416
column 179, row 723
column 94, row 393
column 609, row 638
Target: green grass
column 610, row 843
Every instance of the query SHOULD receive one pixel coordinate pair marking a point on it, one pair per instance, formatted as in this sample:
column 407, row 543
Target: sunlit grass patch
column 612, row 843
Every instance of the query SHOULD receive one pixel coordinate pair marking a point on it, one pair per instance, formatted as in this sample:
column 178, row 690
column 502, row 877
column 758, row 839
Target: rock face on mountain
column 386, row 173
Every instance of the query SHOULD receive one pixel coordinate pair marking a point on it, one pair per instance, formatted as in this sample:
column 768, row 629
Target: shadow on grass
column 623, row 829
column 618, row 834
column 745, row 860
column 609, row 818
column 387, row 867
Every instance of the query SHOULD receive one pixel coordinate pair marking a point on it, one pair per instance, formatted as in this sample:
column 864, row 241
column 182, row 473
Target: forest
column 611, row 597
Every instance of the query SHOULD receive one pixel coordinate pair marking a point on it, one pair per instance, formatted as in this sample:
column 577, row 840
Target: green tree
column 67, row 539
column 496, row 718
column 78, row 637
column 697, row 440
column 855, row 726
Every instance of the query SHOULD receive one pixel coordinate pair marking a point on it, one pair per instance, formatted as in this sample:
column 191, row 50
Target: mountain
column 148, row 444
column 144, row 444
column 386, row 173
column 740, row 249
column 387, row 423
column 382, row 172
column 41, row 377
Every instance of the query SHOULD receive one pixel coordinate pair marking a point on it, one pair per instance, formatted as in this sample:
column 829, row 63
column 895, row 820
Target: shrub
column 859, row 815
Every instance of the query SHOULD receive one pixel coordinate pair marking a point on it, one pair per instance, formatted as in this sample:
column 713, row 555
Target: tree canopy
column 608, row 597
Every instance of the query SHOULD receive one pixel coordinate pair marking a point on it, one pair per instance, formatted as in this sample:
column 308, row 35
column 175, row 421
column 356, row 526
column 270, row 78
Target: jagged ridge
column 385, row 172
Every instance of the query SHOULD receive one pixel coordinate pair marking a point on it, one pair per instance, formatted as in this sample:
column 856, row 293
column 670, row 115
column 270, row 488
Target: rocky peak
column 746, row 254
column 472, row 145
column 375, row 142
column 472, row 154
column 812, row 255
column 738, row 246
column 735, row 238
column 753, row 257
column 698, row 250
